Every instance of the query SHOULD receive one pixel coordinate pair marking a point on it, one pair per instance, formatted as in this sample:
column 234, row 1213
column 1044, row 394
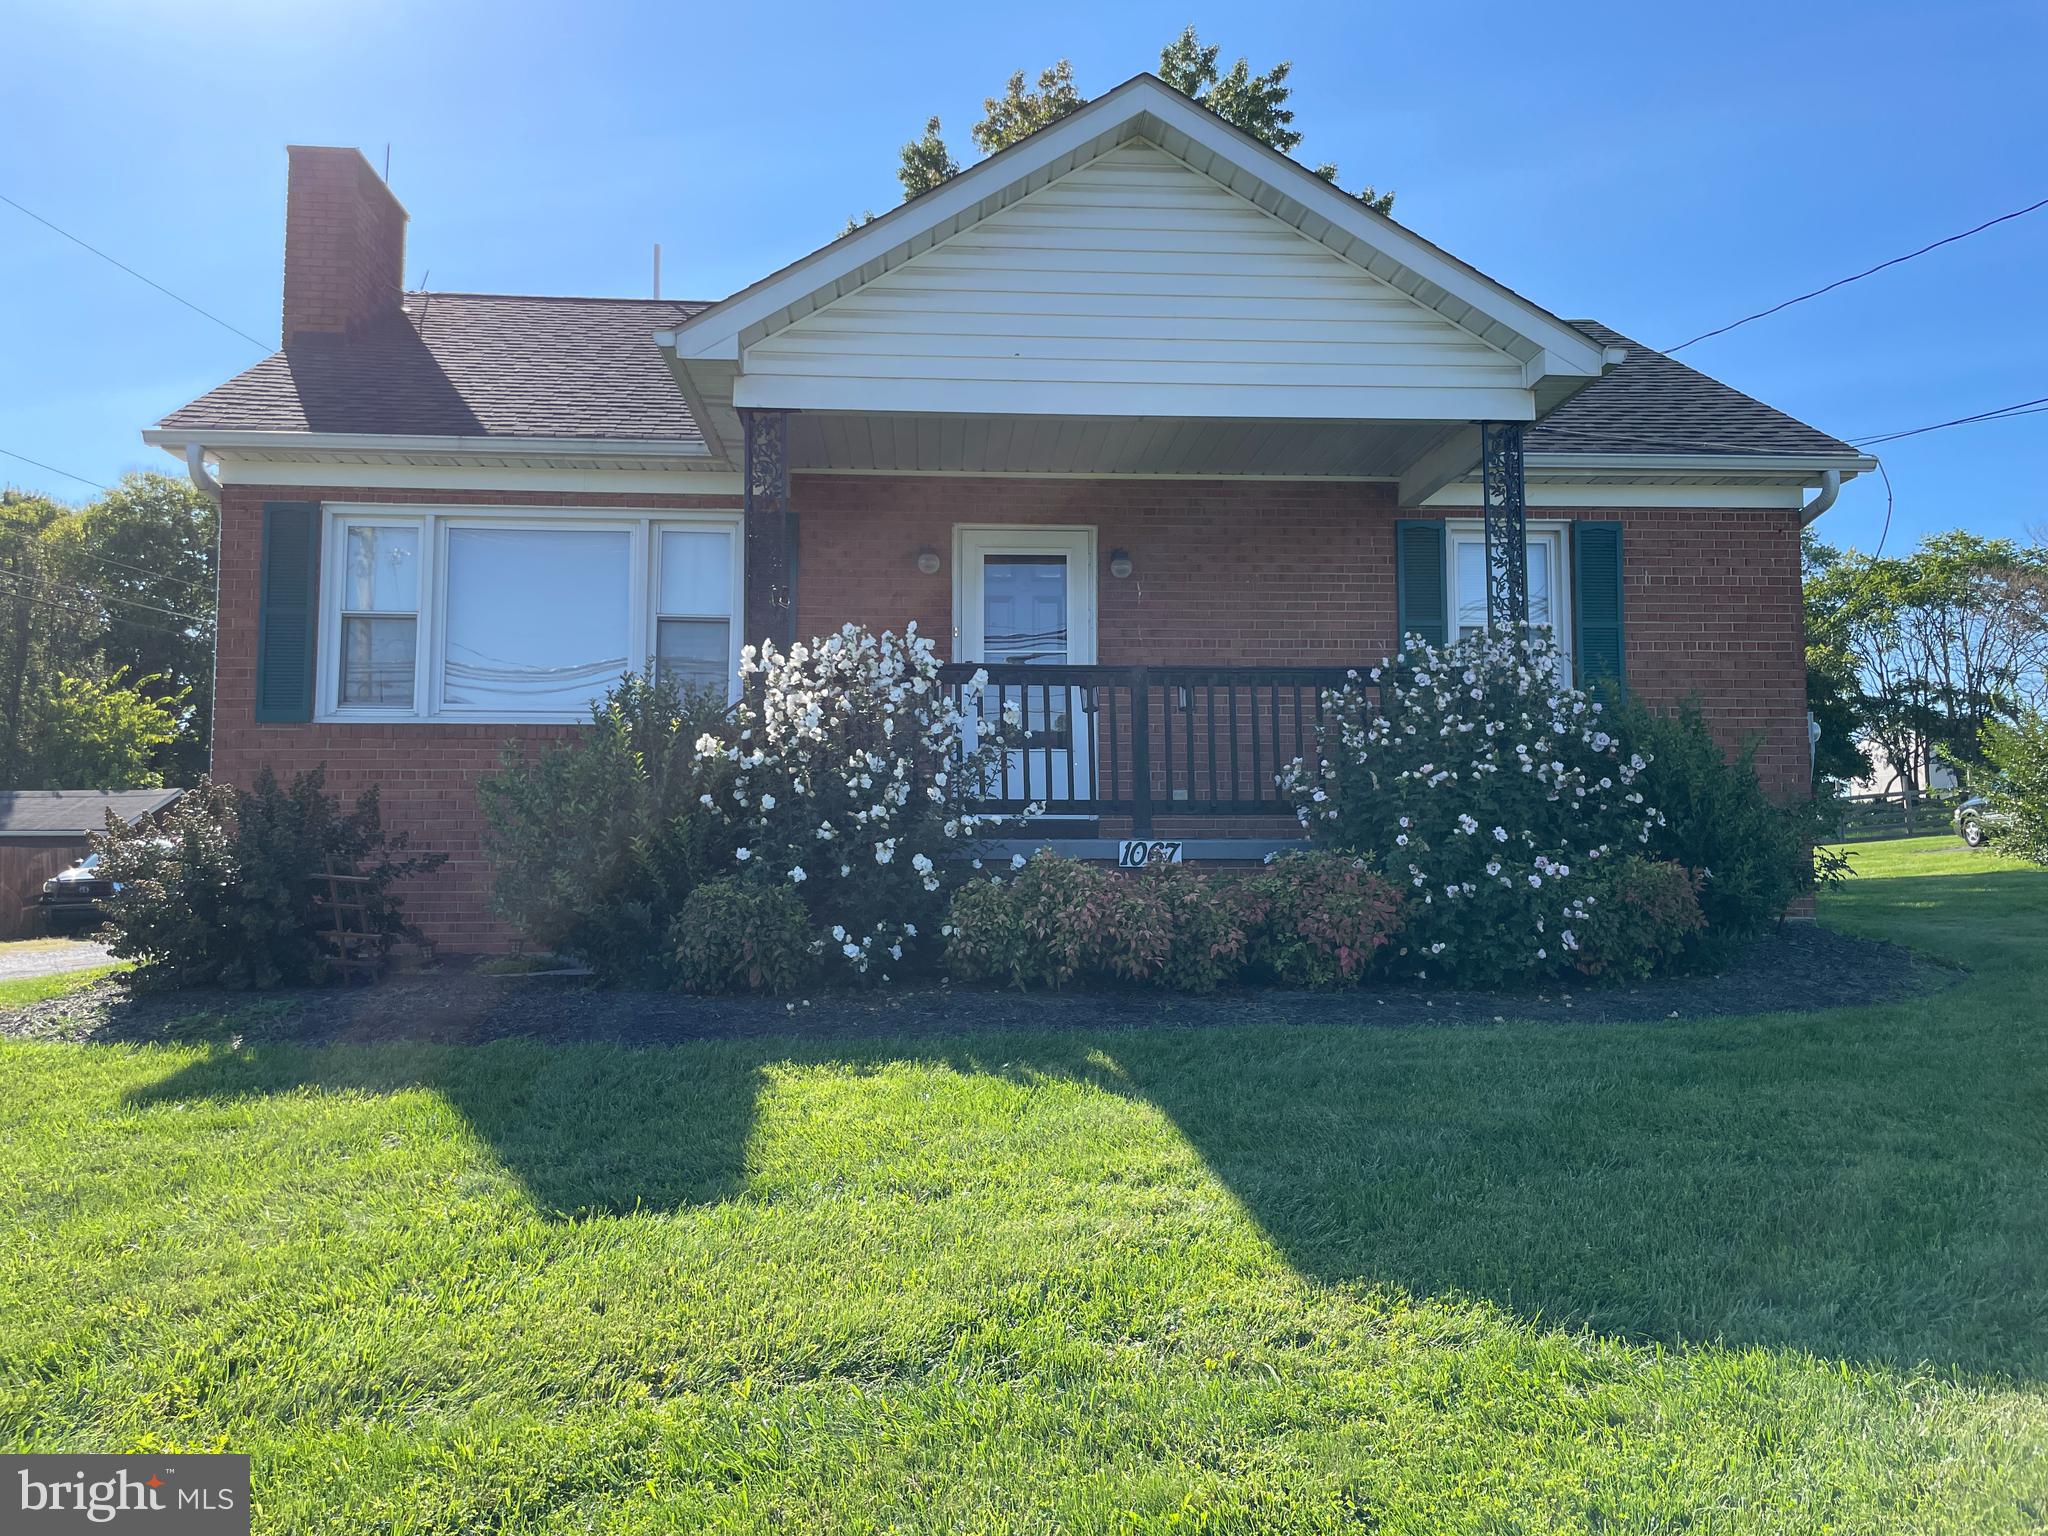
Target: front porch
column 1176, row 752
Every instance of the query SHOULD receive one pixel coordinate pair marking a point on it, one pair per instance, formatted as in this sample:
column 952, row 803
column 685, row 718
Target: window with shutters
column 502, row 615
column 1550, row 604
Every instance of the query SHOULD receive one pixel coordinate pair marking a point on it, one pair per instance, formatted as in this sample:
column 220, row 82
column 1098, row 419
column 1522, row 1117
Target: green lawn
column 20, row 991
column 1758, row 1274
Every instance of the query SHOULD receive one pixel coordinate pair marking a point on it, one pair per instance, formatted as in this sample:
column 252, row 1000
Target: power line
column 2022, row 408
column 131, row 602
column 1843, row 282
column 25, row 595
column 123, row 565
column 159, row 287
column 53, row 469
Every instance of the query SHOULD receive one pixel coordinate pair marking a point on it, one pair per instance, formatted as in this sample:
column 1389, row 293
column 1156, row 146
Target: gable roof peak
column 1146, row 108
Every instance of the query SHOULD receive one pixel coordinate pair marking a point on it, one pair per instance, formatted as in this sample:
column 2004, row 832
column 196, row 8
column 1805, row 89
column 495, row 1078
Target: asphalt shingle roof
column 505, row 365
column 53, row 812
column 1656, row 404
column 470, row 365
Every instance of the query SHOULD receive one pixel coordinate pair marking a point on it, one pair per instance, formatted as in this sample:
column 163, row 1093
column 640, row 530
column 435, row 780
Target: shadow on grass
column 1869, row 1184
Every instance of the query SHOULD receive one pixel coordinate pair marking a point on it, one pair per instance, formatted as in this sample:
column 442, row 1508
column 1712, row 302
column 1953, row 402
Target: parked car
column 1975, row 821
column 71, row 897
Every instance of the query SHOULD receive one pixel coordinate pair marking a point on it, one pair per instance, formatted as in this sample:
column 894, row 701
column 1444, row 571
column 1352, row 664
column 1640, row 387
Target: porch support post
column 770, row 608
column 1507, row 526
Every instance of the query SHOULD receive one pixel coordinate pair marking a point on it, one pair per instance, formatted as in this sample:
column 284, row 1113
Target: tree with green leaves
column 1939, row 643
column 91, row 598
column 100, row 733
column 1256, row 103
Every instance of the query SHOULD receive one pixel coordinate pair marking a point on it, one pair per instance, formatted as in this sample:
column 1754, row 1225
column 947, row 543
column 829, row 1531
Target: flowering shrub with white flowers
column 847, row 780
column 1486, row 789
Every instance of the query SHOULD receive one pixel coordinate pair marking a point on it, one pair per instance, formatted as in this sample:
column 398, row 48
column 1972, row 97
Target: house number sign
column 1136, row 853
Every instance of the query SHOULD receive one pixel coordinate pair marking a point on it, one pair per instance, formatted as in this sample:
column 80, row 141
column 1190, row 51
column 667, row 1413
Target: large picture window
column 502, row 616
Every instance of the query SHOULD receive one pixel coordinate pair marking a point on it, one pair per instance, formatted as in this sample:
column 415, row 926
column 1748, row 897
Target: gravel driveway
column 50, row 957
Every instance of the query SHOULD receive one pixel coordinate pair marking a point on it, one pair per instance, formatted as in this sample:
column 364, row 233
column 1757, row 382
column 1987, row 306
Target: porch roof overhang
column 1144, row 275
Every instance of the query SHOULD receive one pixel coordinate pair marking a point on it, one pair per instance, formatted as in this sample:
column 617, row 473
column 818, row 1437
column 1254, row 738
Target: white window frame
column 642, row 525
column 1557, row 533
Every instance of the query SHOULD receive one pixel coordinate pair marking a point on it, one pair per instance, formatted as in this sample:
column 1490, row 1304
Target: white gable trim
column 1145, row 107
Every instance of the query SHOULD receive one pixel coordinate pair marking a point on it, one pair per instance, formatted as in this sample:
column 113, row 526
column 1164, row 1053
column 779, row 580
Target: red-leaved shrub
column 1316, row 919
column 1642, row 917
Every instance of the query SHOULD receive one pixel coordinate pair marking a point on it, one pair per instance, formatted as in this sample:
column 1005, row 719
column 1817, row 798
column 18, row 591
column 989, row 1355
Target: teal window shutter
column 1420, row 595
column 285, row 611
column 1598, row 641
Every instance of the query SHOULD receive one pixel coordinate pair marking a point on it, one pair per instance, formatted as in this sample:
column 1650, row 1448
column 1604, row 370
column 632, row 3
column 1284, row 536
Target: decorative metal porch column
column 1507, row 525
column 770, row 608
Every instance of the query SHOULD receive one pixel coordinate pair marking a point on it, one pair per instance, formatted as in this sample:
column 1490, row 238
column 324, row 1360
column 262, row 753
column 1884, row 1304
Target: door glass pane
column 1024, row 608
column 1471, row 587
column 696, row 571
column 537, row 618
column 383, row 570
column 377, row 661
column 1539, row 583
column 694, row 653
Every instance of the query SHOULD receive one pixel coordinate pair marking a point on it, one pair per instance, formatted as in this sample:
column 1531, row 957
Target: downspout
column 195, row 467
column 207, row 486
column 1830, row 488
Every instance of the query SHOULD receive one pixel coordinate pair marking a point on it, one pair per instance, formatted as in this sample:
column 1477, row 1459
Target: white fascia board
column 717, row 331
column 1809, row 465
column 175, row 438
column 1466, row 496
column 491, row 477
column 1371, row 404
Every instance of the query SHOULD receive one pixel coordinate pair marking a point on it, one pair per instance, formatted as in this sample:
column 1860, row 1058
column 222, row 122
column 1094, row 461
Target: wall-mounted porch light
column 928, row 561
column 1119, row 564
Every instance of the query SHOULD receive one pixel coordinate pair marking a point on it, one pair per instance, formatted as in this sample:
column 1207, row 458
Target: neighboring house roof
column 74, row 812
column 1656, row 404
column 511, row 365
column 470, row 365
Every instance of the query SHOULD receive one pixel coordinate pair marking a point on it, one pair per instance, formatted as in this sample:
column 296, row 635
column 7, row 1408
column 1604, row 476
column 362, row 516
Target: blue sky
column 1665, row 169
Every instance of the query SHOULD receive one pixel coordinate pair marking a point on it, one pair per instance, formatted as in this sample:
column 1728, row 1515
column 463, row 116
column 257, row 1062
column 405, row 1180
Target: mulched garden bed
column 1800, row 969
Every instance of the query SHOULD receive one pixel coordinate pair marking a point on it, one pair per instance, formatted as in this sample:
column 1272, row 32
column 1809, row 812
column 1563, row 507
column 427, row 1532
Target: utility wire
column 24, row 594
column 1844, row 282
column 123, row 565
column 159, row 287
column 2022, row 408
column 131, row 602
column 53, row 469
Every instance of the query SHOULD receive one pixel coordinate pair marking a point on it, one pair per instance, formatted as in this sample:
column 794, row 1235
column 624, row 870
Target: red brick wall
column 344, row 242
column 428, row 772
column 1260, row 572
column 1225, row 573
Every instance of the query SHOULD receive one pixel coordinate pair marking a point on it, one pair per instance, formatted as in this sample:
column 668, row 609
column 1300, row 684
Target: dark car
column 71, row 898
column 1975, row 821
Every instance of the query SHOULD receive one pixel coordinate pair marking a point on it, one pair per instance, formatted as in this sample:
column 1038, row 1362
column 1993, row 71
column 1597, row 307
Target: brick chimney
column 344, row 244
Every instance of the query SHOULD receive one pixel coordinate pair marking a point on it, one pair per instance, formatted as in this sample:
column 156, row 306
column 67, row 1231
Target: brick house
column 1144, row 416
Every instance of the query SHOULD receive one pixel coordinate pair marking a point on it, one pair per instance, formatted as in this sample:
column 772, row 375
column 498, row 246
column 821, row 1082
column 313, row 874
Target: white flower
column 838, row 933
column 797, row 875
column 1500, row 834
column 1535, row 882
column 921, row 863
column 851, row 951
column 744, row 854
column 1016, row 861
column 767, row 802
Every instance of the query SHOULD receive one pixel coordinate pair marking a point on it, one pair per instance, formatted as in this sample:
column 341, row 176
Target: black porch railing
column 1150, row 741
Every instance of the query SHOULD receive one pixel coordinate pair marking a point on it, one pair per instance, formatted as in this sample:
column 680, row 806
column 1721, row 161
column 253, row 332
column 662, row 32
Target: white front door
column 1026, row 596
